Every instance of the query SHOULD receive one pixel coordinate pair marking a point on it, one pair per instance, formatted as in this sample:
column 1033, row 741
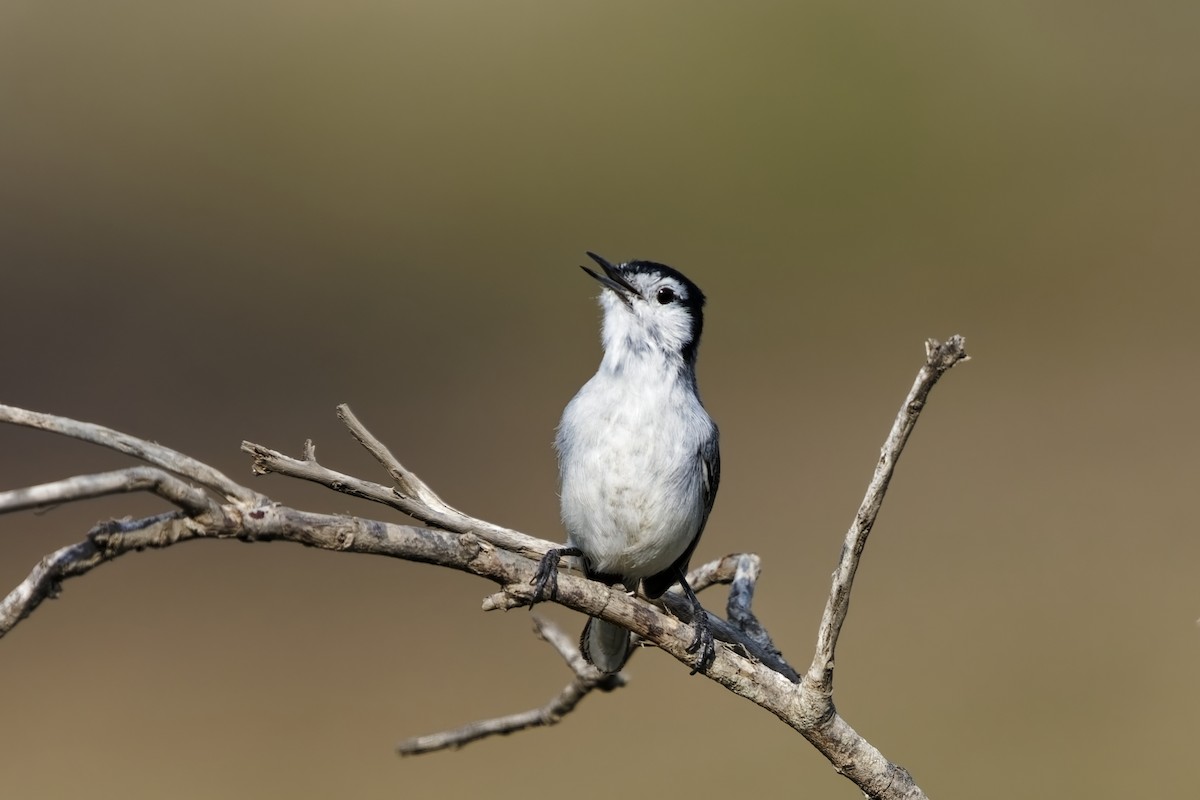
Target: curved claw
column 702, row 643
column 546, row 576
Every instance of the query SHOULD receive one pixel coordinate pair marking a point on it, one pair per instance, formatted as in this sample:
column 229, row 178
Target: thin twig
column 714, row 572
column 741, row 572
column 132, row 479
column 45, row 580
column 587, row 679
column 408, row 485
column 267, row 460
column 939, row 357
column 744, row 633
column 744, row 644
column 150, row 452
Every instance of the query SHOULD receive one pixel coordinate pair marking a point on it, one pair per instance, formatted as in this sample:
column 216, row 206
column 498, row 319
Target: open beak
column 611, row 279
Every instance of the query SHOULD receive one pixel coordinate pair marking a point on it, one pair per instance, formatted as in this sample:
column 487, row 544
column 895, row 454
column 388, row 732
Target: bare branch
column 939, row 357
column 740, row 571
column 746, row 567
column 722, row 570
column 68, row 562
column 744, row 644
column 408, row 485
column 465, row 552
column 45, row 581
column 568, row 649
column 748, row 664
column 267, row 460
column 750, row 641
column 152, row 453
column 587, row 679
column 83, row 487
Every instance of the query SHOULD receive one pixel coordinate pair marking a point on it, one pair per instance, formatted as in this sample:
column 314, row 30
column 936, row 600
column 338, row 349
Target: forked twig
column 443, row 516
column 150, row 452
column 939, row 357
column 86, row 487
column 408, row 485
column 587, row 679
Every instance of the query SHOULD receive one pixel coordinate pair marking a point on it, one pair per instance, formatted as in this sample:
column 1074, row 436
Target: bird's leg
column 546, row 576
column 703, row 641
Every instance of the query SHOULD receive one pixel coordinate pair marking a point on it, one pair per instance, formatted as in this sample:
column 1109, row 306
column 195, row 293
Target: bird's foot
column 703, row 642
column 545, row 579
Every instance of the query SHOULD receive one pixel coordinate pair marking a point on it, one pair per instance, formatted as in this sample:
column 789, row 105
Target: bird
column 638, row 455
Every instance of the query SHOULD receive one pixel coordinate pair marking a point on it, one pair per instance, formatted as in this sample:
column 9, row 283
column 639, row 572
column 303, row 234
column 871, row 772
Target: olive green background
column 218, row 220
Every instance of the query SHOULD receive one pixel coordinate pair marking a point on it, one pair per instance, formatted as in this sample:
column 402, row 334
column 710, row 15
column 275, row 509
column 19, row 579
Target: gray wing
column 709, row 457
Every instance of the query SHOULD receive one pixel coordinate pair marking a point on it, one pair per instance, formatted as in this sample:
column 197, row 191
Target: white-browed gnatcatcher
column 637, row 453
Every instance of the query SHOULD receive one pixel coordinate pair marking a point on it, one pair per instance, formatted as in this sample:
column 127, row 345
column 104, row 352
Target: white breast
column 631, row 477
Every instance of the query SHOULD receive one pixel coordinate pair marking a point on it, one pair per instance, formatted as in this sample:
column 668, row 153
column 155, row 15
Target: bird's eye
column 665, row 295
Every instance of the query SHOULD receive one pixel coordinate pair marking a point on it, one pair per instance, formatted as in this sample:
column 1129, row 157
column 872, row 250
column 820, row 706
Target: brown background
column 219, row 220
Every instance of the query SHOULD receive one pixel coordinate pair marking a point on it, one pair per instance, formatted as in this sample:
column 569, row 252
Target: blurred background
column 218, row 220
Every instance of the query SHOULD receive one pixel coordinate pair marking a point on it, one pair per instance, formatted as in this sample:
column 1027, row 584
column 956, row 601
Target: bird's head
column 649, row 309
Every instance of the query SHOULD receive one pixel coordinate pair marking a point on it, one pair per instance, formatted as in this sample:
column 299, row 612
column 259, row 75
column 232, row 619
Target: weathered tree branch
column 740, row 570
column 408, row 501
column 750, row 666
column 587, row 679
column 939, row 357
column 408, row 487
column 86, row 487
column 45, row 580
column 150, row 452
